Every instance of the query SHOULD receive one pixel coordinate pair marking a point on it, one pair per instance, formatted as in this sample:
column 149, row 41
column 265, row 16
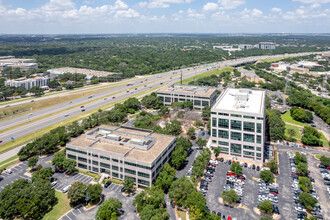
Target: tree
column 109, row 210
column 27, row 200
column 216, row 151
column 302, row 169
column 191, row 132
column 307, row 200
column 128, row 184
column 180, row 114
column 236, row 168
column 152, row 101
column 163, row 110
column 69, row 165
column 150, row 212
column 325, row 160
column 275, row 126
column 43, row 173
column 201, row 142
column 196, row 214
column 32, row 161
column 179, row 155
column 184, row 143
column 132, row 103
column 196, row 199
column 305, row 184
column 292, row 132
column 206, row 113
column 174, row 127
column 266, row 206
column 267, row 176
column 166, row 177
column 229, row 196
column 272, row 166
column 58, row 159
column 37, row 91
column 299, row 158
column 53, row 84
column 180, row 190
column 199, row 123
column 94, row 192
column 77, row 193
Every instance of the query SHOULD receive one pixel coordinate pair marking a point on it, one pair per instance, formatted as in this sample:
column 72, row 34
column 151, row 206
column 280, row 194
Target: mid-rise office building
column 16, row 63
column 200, row 96
column 121, row 152
column 28, row 83
column 238, row 124
column 266, row 45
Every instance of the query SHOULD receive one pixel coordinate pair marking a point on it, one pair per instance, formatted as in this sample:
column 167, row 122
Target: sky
column 163, row 16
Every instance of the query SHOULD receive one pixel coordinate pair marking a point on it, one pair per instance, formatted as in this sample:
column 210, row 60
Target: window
column 225, row 149
column 258, row 154
column 176, row 99
column 77, row 151
column 248, row 126
column 248, row 153
column 143, row 174
column 248, row 138
column 214, row 132
column 115, row 160
column 114, row 167
column 235, row 148
column 205, row 103
column 72, row 156
column 258, row 127
column 248, row 147
column 214, row 141
column 143, row 182
column 104, row 158
column 214, row 122
column 82, row 166
column 223, row 143
column 260, row 118
column 115, row 174
column 236, row 125
column 236, row 136
column 131, row 164
column 95, row 169
column 95, row 155
column 161, row 98
column 105, row 171
column 197, row 102
column 213, row 113
column 167, row 99
column 182, row 100
column 82, row 159
column 224, row 114
column 249, row 117
column 258, row 148
column 105, row 165
column 237, row 116
column 223, row 123
column 95, row 163
column 258, row 139
column 130, row 171
column 223, row 134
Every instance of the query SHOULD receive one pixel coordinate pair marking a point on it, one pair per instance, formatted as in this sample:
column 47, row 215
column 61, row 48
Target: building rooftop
column 266, row 43
column 73, row 70
column 241, row 100
column 188, row 90
column 17, row 60
column 132, row 143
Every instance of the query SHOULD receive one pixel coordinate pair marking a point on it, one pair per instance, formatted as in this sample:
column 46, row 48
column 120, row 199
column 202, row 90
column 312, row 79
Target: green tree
column 180, row 114
column 305, row 184
column 206, row 113
column 274, row 124
column 37, row 91
column 174, row 127
column 302, row 169
column 132, row 103
column 292, row 132
column 267, row 176
column 69, row 165
column 216, row 151
column 298, row 158
column 150, row 212
column 229, row 196
column 109, row 210
column 196, row 214
column 196, row 199
column 33, row 161
column 53, row 84
column 236, row 168
column 129, row 185
column 201, row 142
column 180, row 190
column 191, row 132
column 58, row 159
column 184, row 143
column 272, row 166
column 94, row 192
column 325, row 160
column 266, row 206
column 165, row 177
column 43, row 173
column 307, row 200
column 77, row 193
column 199, row 123
column 179, row 155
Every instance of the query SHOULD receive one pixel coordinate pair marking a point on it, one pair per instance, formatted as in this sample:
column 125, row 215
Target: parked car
column 66, row 189
column 107, row 184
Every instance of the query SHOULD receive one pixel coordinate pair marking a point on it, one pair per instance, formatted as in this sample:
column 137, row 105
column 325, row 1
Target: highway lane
column 153, row 81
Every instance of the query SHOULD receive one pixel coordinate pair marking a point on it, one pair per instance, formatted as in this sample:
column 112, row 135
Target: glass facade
column 248, row 147
column 247, row 153
column 214, row 132
column 214, row 122
column 248, row 126
column 248, row 138
column 143, row 182
column 236, row 136
column 259, row 128
column 223, row 123
column 223, row 134
column 224, row 114
column 223, row 143
column 225, row 149
column 258, row 139
column 236, row 148
column 237, row 116
column 236, row 125
column 249, row 117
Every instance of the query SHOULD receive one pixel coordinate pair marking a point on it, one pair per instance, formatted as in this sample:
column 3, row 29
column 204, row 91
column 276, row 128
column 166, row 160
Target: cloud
column 276, row 10
column 191, row 13
column 130, row 13
column 231, row 4
column 162, row 3
column 313, row 1
column 210, row 6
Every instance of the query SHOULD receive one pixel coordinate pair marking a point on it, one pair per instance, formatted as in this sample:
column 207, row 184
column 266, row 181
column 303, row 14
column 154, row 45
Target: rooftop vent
column 113, row 137
column 246, row 91
column 241, row 97
column 104, row 132
column 137, row 142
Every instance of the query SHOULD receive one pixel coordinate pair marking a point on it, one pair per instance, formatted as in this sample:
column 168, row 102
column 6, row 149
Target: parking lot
column 64, row 180
column 17, row 173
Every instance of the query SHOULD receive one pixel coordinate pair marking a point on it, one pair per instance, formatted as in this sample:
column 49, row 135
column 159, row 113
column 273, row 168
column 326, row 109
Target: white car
column 54, row 183
column 9, row 171
column 66, row 189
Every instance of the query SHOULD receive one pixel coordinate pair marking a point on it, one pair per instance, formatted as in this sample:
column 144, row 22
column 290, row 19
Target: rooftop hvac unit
column 247, row 91
column 113, row 137
column 137, row 142
column 104, row 132
column 241, row 97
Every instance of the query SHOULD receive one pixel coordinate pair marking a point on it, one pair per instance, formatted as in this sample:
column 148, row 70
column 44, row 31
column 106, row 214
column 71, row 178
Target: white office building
column 28, row 83
column 238, row 124
column 266, row 45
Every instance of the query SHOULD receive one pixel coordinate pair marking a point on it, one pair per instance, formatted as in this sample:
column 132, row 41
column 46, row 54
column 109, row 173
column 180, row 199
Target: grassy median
column 62, row 207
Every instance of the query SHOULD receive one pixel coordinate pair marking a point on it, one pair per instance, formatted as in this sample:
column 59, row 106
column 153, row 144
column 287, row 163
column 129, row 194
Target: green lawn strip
column 9, row 159
column 202, row 75
column 62, row 207
column 32, row 136
column 7, row 165
column 297, row 136
column 318, row 156
column 113, row 181
column 287, row 118
column 274, row 59
column 94, row 175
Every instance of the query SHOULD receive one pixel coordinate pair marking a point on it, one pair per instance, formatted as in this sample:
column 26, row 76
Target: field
column 286, row 117
column 62, row 207
column 273, row 59
column 213, row 72
column 297, row 136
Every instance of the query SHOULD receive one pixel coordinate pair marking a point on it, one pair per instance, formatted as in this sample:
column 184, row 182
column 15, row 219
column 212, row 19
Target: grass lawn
column 8, row 160
column 62, row 207
column 213, row 72
column 182, row 215
column 7, row 165
column 273, row 59
column 287, row 118
column 297, row 136
column 324, row 140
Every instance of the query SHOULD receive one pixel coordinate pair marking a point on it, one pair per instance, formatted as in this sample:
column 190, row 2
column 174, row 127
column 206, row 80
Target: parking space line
column 118, row 187
column 73, row 213
column 82, row 179
column 79, row 210
column 68, row 217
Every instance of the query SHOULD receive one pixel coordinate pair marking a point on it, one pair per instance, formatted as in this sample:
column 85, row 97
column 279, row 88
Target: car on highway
column 113, row 97
column 66, row 115
column 82, row 106
column 32, row 100
column 7, row 106
column 90, row 96
column 82, row 110
column 105, row 98
column 141, row 81
column 127, row 91
column 1, row 141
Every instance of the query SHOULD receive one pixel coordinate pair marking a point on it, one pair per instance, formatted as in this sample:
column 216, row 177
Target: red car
column 275, row 194
column 230, row 173
column 0, row 141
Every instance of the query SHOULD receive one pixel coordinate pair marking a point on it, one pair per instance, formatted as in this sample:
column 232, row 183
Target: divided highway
column 116, row 92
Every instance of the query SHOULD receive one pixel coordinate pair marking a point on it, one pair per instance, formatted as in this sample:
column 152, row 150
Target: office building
column 120, row 152
column 238, row 124
column 22, row 64
column 28, row 83
column 200, row 96
column 246, row 46
column 266, row 45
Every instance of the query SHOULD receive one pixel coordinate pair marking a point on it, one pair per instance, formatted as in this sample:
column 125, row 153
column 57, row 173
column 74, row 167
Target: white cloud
column 231, row 4
column 256, row 12
column 163, row 3
column 276, row 10
column 313, row 1
column 130, row 13
column 210, row 6
column 142, row 4
column 191, row 13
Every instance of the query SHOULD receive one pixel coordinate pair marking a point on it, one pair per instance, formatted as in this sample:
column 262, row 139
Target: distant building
column 279, row 67
column 266, row 45
column 200, row 96
column 28, row 83
column 295, row 68
column 229, row 48
column 309, row 65
column 22, row 64
column 238, row 124
column 246, row 46
column 326, row 56
column 73, row 70
column 120, row 152
column 250, row 75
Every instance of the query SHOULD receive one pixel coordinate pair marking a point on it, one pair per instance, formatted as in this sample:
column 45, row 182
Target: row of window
column 237, row 136
column 223, row 143
column 237, row 149
column 237, row 116
column 188, row 96
column 77, row 151
column 196, row 102
column 236, row 125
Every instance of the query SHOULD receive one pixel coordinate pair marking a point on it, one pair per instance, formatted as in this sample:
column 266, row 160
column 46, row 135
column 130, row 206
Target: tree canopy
column 267, row 176
column 109, row 210
column 266, row 206
column 229, row 196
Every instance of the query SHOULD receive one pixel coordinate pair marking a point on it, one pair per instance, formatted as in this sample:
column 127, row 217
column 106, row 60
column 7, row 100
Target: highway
column 120, row 91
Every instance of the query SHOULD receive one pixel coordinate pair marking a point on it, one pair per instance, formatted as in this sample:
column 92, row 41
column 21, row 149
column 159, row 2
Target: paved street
column 189, row 162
